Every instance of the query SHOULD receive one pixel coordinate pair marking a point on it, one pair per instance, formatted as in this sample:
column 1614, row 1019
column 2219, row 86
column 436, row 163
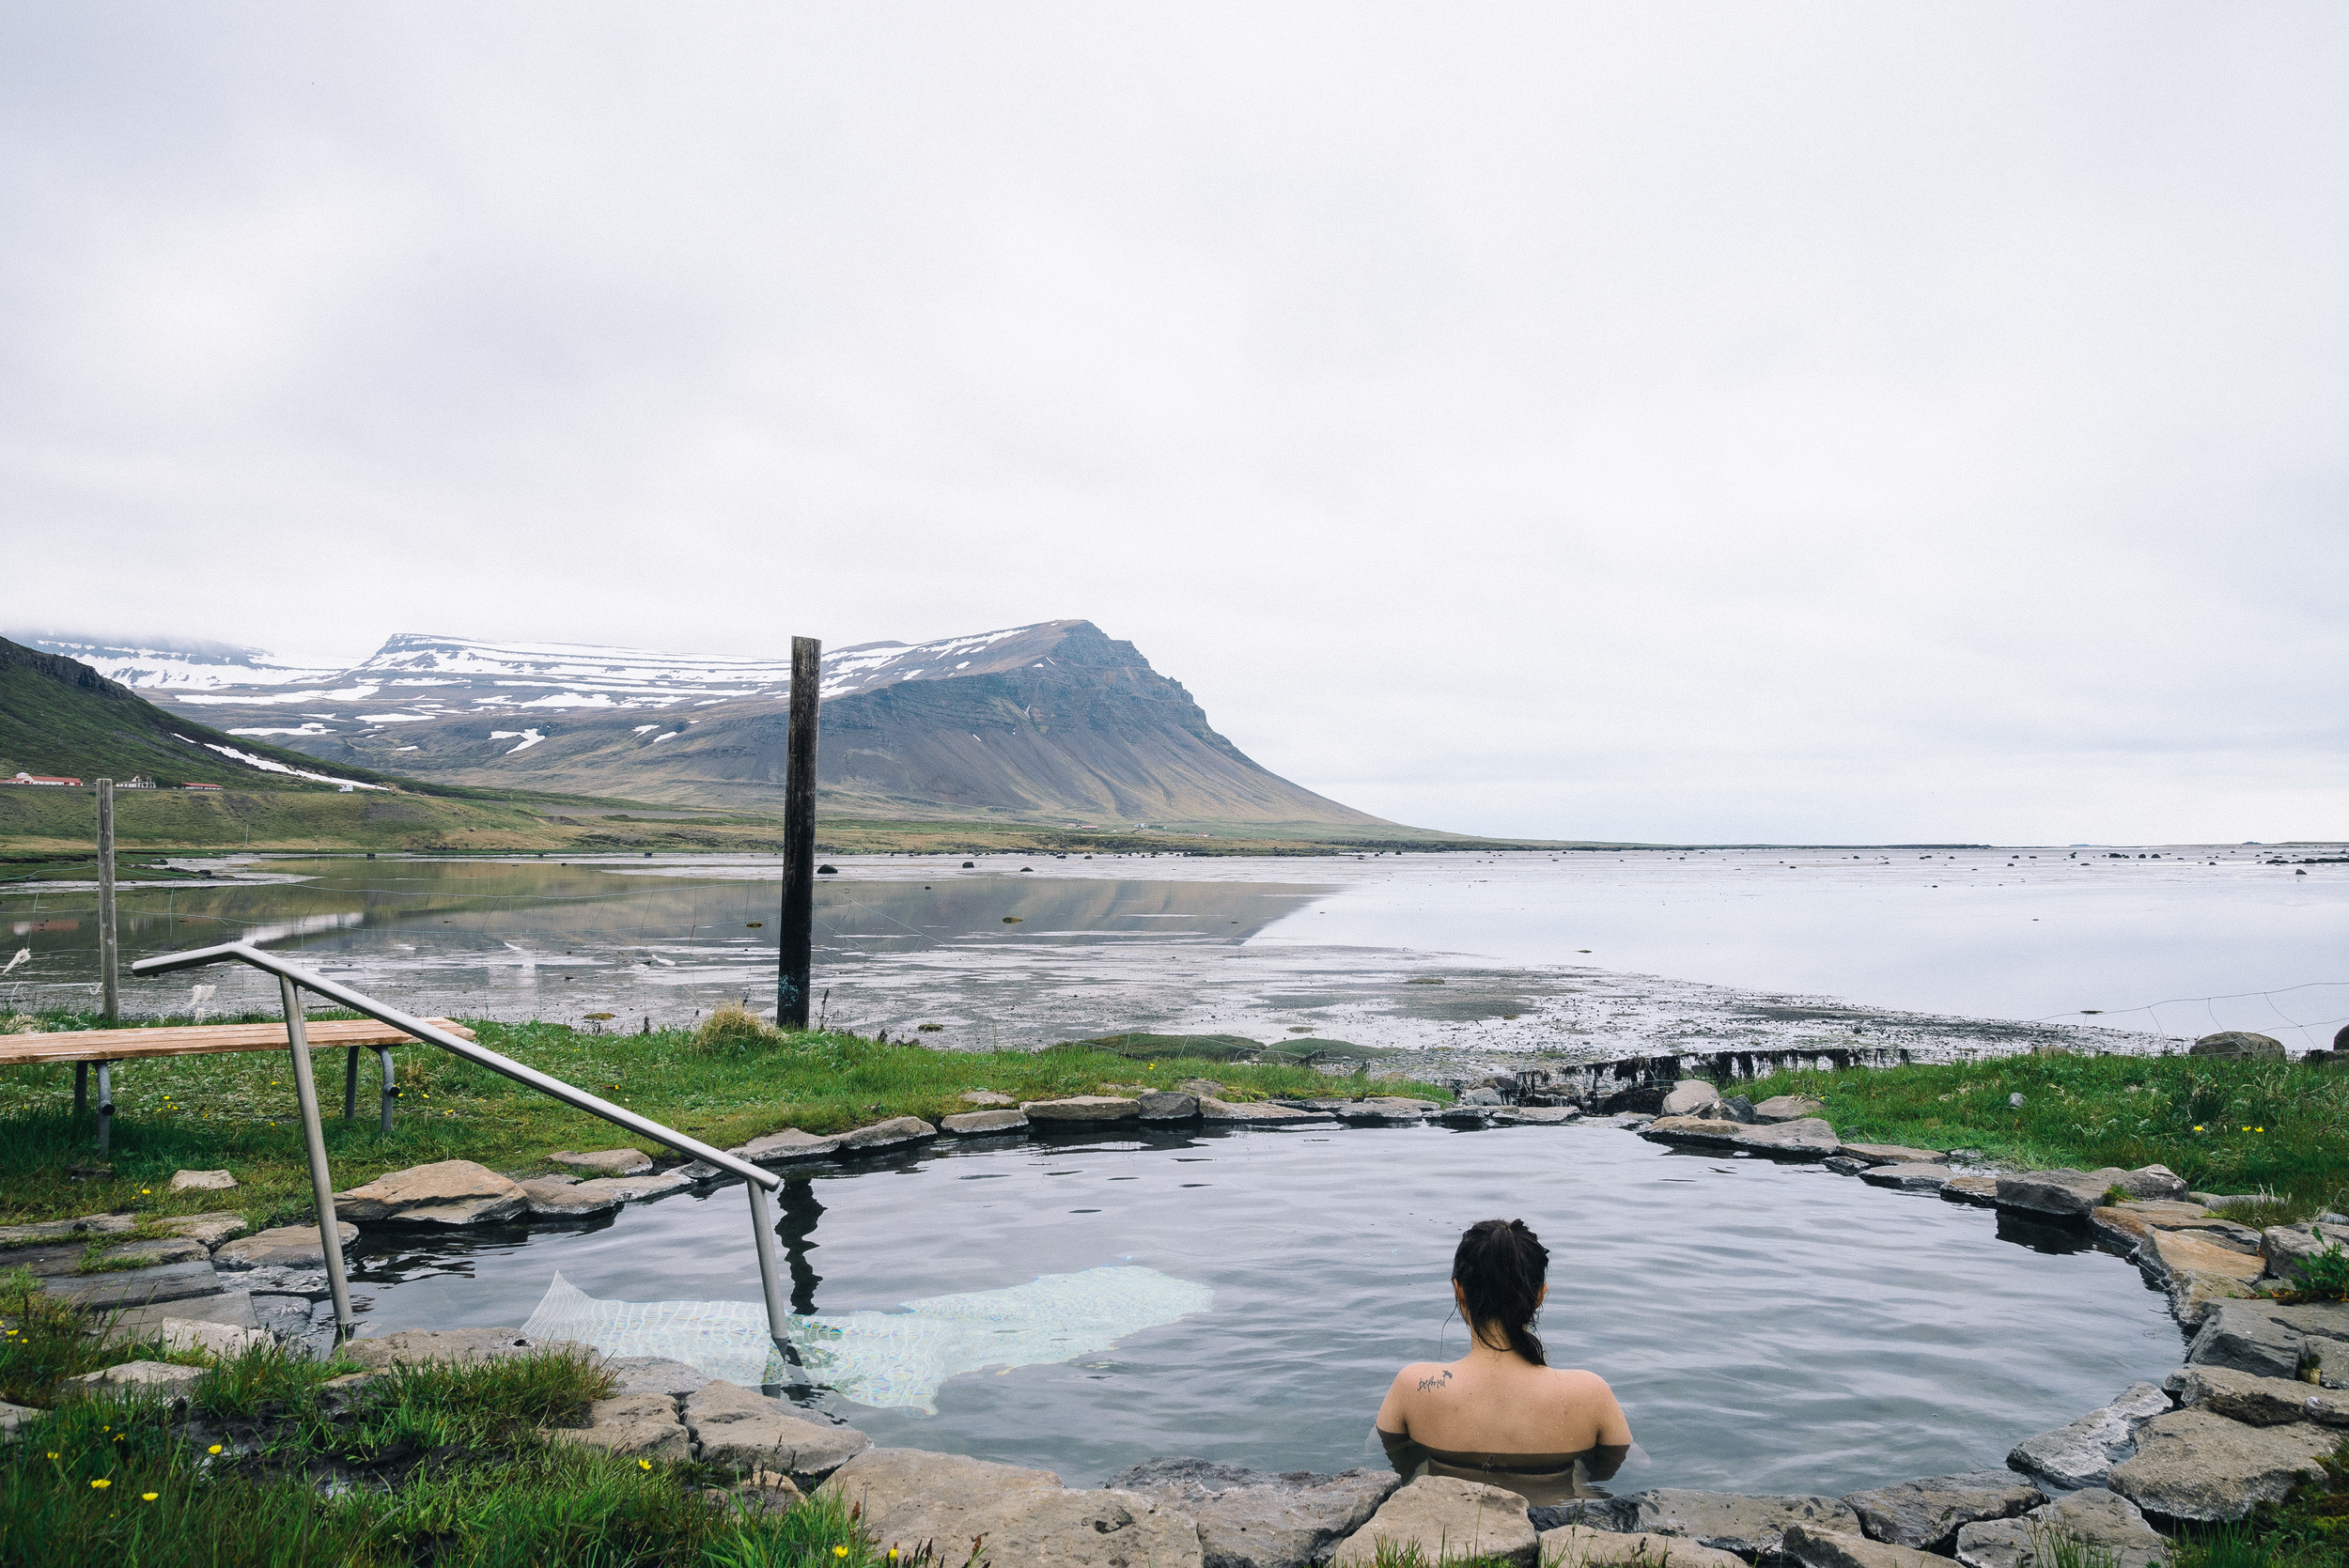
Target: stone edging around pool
column 2235, row 1426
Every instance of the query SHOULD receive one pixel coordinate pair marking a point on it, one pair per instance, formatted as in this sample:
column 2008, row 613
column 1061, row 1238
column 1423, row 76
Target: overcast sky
column 1785, row 422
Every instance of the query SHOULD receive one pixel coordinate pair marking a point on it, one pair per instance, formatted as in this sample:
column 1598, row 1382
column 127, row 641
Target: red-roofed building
column 44, row 779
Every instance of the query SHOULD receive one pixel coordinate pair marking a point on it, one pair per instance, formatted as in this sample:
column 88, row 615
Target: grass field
column 236, row 1111
column 2226, row 1126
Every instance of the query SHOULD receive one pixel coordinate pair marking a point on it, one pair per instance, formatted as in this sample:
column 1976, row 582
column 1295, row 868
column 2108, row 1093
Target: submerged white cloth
column 886, row 1359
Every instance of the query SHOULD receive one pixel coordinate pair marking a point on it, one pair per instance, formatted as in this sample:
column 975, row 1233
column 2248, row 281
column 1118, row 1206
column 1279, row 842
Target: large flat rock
column 1889, row 1154
column 633, row 1426
column 654, row 1375
column 1535, row 1115
column 2062, row 1194
column 1163, row 1105
column 744, row 1428
column 555, row 1197
column 972, row 1123
column 1690, row 1097
column 210, row 1229
column 895, row 1133
column 2198, row 1465
column 1254, row 1112
column 1814, row 1548
column 2272, row 1340
column 136, row 1287
column 1084, row 1108
column 605, row 1162
column 1262, row 1518
column 2108, row 1526
column 1381, row 1110
column 1444, row 1518
column 1928, row 1514
column 236, row 1309
column 2255, row 1400
column 1789, row 1107
column 2082, row 1454
column 1748, row 1524
column 785, row 1146
column 1580, row 1546
column 284, row 1247
column 1003, row 1517
column 446, row 1192
column 1908, row 1178
column 1805, row 1137
column 138, row 1380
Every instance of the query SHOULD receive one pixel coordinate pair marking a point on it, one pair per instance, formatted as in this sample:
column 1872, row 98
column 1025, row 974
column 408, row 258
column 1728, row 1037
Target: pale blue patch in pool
column 888, row 1360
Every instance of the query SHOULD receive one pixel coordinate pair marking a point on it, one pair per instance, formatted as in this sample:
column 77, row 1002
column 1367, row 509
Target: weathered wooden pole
column 797, row 959
column 109, row 980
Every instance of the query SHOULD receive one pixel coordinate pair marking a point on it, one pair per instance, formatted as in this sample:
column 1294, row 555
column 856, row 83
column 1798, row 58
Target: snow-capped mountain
column 171, row 665
column 1053, row 720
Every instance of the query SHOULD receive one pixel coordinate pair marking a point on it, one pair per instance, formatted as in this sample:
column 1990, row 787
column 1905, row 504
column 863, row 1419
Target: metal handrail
column 292, row 978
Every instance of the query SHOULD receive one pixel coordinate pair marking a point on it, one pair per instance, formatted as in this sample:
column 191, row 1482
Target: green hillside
column 58, row 716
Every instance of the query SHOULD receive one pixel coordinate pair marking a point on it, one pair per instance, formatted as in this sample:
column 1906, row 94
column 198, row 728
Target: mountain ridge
column 1051, row 722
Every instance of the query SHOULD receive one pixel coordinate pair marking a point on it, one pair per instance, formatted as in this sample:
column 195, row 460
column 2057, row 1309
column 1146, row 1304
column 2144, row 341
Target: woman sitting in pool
column 1502, row 1414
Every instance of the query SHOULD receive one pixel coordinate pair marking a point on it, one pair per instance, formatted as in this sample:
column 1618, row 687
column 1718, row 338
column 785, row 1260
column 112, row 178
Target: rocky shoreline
column 2250, row 1417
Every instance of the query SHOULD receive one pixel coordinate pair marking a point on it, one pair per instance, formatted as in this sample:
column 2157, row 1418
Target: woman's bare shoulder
column 1575, row 1382
column 1423, row 1377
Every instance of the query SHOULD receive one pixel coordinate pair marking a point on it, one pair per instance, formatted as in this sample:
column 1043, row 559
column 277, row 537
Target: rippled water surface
column 1767, row 1328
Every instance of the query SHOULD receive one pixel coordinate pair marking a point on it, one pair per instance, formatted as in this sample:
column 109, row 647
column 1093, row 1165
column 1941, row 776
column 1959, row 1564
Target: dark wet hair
column 1499, row 1267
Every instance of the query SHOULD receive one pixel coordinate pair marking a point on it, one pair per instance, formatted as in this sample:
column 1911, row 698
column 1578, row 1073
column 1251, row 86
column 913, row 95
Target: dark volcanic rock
column 1927, row 1514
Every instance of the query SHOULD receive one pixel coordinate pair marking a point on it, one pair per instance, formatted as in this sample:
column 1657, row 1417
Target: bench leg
column 391, row 1091
column 350, row 1084
column 106, row 1104
column 81, row 1087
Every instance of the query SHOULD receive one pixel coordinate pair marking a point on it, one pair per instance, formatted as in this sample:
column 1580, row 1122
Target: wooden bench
column 106, row 1047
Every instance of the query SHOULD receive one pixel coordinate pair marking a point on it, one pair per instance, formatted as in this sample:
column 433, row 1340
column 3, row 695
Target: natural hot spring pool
column 1768, row 1327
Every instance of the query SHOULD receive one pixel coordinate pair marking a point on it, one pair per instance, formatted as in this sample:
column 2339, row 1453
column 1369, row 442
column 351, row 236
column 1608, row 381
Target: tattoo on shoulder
column 1435, row 1384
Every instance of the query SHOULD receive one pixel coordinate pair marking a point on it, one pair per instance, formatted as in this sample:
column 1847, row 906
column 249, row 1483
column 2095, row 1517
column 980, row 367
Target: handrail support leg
column 350, row 1084
column 391, row 1090
column 321, row 1177
column 106, row 1104
column 763, row 1234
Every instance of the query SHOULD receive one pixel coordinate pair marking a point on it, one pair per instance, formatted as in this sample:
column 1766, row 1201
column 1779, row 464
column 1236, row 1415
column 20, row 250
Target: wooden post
column 109, row 980
column 796, row 958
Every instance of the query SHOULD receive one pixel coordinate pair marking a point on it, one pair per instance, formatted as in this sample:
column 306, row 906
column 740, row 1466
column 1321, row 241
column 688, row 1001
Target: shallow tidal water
column 1587, row 955
column 1768, row 1326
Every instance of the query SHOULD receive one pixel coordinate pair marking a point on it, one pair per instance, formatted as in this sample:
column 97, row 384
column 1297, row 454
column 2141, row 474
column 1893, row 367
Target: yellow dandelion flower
column 643, row 1464
column 101, row 1485
column 840, row 1551
column 214, row 1449
column 148, row 1497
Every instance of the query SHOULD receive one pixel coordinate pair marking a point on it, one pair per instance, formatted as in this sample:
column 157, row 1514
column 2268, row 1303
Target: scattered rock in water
column 446, row 1192
column 605, row 1162
column 2082, row 1452
column 202, row 1181
column 1737, row 1109
column 283, row 1247
column 1835, row 1548
column 2082, row 1527
column 1927, row 1514
column 1536, row 1115
column 894, row 1133
column 160, row 1380
column 1083, row 1108
column 1580, row 1546
column 1750, row 1525
column 1789, row 1107
column 1443, row 1519
column 2255, row 1400
column 2272, row 1340
column 461, row 1346
column 2238, row 1043
column 971, row 1123
column 1806, row 1139
column 2198, row 1465
column 742, row 1428
column 633, row 1426
column 1260, row 1518
column 1907, row 1178
column 2066, row 1194
column 911, row 1500
column 987, row 1097
column 1157, row 1105
column 1690, row 1097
